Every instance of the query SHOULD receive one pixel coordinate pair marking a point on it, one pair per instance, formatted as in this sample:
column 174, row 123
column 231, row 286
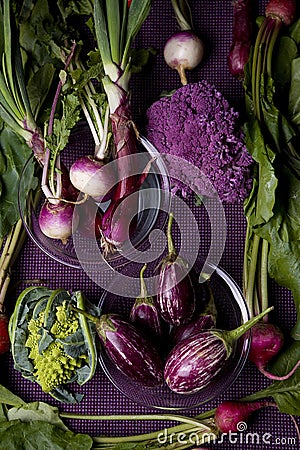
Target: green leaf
column 259, row 206
column 294, row 97
column 286, row 51
column 40, row 411
column 41, row 435
column 39, row 85
column 114, row 29
column 75, row 7
column 138, row 12
column 8, row 398
column 286, row 393
column 16, row 154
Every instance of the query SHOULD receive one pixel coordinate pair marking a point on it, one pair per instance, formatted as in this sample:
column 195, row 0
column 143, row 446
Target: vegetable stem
column 143, row 293
column 171, row 247
column 264, row 276
column 183, row 14
column 252, row 273
column 242, row 329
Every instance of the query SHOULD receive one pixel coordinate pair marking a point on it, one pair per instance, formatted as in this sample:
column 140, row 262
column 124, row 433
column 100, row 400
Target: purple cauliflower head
column 198, row 125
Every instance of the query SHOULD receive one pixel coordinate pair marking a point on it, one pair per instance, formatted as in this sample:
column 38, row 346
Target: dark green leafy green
column 15, row 153
column 272, row 208
column 285, row 393
column 294, row 97
column 36, row 411
column 8, row 398
column 38, row 434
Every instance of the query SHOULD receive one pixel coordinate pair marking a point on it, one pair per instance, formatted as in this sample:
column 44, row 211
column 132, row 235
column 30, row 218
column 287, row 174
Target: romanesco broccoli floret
column 53, row 367
column 66, row 322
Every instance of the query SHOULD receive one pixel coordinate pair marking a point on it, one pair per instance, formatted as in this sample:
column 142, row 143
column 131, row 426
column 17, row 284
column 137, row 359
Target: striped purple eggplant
column 176, row 298
column 130, row 351
column 199, row 323
column 204, row 321
column 144, row 313
column 194, row 362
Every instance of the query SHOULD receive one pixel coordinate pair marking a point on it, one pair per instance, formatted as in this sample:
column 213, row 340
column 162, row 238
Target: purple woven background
column 213, row 18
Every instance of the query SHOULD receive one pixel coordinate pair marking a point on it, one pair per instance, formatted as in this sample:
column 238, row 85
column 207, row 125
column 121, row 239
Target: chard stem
column 255, row 64
column 264, row 276
column 251, row 274
column 270, row 48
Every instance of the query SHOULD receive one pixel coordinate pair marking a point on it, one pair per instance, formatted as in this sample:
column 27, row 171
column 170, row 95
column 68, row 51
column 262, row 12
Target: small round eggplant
column 194, row 362
column 133, row 354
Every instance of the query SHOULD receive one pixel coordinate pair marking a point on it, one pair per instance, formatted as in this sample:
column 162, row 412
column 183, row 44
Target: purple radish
column 193, row 363
column 282, row 10
column 92, row 176
column 176, row 299
column 242, row 37
column 144, row 313
column 184, row 50
column 230, row 414
column 266, row 342
column 58, row 221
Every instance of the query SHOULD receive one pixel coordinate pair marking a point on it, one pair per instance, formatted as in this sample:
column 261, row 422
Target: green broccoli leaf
column 63, row 395
column 18, row 325
column 45, row 340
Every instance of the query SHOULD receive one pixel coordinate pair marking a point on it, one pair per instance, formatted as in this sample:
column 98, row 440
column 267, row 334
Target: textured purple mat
column 214, row 20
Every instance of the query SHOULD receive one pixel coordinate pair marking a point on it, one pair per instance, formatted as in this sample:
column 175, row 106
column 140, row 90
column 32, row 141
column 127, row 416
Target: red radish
column 284, row 10
column 266, row 342
column 242, row 37
column 58, row 221
column 4, row 336
column 230, row 414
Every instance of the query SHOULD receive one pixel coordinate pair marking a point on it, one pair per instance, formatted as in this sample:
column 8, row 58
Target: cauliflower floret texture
column 197, row 124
